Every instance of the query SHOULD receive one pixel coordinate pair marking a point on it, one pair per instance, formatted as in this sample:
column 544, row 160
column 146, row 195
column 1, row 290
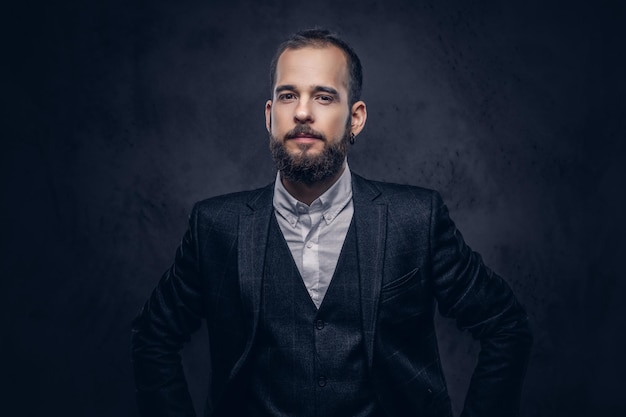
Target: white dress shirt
column 315, row 233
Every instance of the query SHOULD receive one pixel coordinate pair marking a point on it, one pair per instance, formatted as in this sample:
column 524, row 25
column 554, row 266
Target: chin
column 306, row 148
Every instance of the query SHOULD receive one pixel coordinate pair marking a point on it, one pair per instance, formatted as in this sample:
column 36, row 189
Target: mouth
column 304, row 135
column 304, row 138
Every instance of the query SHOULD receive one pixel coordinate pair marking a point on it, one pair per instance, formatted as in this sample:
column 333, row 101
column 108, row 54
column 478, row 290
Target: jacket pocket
column 400, row 285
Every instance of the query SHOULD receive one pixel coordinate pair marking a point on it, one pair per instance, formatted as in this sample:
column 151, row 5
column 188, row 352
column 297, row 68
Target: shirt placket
column 310, row 218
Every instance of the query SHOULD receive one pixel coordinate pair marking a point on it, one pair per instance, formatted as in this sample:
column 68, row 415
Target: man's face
column 309, row 117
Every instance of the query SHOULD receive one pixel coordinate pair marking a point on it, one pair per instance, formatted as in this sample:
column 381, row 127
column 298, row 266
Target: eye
column 325, row 99
column 286, row 97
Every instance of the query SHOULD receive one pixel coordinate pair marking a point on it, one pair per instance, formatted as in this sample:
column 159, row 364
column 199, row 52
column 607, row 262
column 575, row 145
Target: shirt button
column 319, row 324
column 309, row 245
column 321, row 381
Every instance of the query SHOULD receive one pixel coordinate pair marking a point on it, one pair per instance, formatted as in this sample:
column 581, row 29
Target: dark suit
column 410, row 257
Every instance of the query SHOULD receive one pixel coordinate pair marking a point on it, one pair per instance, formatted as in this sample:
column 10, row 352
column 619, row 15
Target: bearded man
column 319, row 290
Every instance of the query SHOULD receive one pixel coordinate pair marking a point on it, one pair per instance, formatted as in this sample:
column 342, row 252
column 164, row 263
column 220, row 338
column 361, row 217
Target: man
column 319, row 289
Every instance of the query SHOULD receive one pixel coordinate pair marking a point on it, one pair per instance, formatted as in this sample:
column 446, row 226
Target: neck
column 307, row 193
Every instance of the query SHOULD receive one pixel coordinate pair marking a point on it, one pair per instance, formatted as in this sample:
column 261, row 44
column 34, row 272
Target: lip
column 305, row 139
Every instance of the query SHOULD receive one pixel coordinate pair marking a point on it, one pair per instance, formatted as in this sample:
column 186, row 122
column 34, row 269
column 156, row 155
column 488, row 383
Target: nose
column 303, row 112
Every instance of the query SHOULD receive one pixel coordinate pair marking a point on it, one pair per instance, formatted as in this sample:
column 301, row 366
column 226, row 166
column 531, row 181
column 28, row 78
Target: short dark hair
column 318, row 38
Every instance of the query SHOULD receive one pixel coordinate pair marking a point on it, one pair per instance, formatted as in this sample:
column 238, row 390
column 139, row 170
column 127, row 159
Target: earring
column 352, row 138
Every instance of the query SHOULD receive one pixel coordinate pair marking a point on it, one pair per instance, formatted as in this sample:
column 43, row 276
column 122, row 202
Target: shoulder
column 233, row 203
column 398, row 195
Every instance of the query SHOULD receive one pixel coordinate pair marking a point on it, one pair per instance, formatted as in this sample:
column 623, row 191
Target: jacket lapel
column 371, row 228
column 251, row 243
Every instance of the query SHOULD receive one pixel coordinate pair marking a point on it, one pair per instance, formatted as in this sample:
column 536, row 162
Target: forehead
column 312, row 66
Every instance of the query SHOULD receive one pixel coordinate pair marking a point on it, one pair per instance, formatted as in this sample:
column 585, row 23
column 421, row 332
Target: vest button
column 321, row 381
column 319, row 324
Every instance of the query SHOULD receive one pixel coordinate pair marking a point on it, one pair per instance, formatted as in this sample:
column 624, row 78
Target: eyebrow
column 316, row 89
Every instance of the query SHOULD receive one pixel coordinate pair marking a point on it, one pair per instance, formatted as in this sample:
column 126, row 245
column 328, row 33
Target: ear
column 359, row 116
column 268, row 116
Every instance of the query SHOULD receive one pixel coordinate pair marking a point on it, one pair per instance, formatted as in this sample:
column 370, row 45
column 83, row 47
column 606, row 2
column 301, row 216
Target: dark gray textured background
column 122, row 114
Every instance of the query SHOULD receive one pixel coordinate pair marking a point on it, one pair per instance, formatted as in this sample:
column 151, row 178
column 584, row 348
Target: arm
column 482, row 303
column 165, row 323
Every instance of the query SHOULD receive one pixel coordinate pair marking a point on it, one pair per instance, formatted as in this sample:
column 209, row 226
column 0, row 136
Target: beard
column 303, row 167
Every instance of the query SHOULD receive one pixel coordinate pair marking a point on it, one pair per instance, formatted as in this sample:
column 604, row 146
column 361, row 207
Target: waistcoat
column 308, row 362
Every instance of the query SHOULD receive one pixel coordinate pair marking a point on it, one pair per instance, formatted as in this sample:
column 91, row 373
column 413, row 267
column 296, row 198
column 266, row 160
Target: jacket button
column 321, row 381
column 319, row 324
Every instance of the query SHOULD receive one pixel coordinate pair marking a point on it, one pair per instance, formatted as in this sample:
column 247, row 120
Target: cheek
column 277, row 121
column 339, row 123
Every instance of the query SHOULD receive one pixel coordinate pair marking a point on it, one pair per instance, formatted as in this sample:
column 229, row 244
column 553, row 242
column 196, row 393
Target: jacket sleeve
column 482, row 303
column 163, row 326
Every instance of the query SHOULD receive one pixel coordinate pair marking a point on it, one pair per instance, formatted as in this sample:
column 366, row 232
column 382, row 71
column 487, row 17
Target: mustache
column 304, row 130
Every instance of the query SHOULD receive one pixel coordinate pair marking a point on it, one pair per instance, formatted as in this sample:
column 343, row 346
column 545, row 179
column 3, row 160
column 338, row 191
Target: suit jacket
column 411, row 258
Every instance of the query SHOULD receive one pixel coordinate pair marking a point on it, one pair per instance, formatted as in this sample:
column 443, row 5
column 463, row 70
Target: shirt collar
column 330, row 203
